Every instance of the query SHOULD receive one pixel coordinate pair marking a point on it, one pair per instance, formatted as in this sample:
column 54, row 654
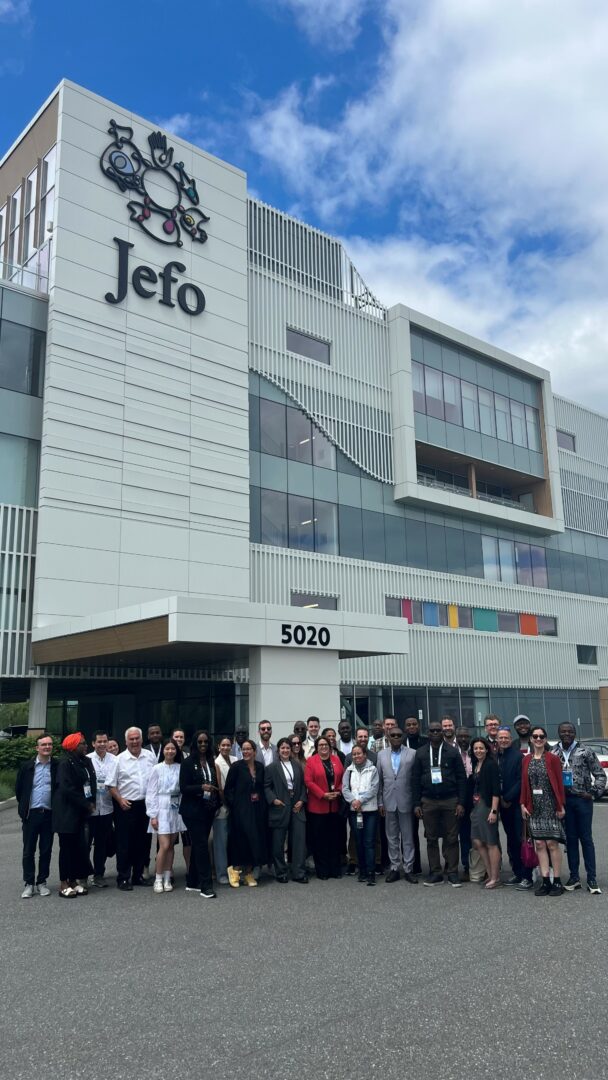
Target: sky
column 459, row 148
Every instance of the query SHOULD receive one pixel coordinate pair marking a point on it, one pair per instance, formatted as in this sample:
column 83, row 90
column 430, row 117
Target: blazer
column 275, row 787
column 316, row 785
column 25, row 783
column 489, row 782
column 395, row 792
column 509, row 765
column 260, row 757
column 554, row 772
column 193, row 803
column 71, row 808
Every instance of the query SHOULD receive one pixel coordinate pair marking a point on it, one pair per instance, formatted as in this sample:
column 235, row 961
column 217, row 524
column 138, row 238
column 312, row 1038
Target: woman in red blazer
column 323, row 778
column 543, row 807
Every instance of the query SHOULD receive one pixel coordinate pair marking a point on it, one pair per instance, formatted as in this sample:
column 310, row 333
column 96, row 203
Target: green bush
column 15, row 751
column 7, row 783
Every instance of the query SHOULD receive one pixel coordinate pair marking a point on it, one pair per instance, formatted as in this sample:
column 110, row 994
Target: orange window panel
column 453, row 616
column 528, row 625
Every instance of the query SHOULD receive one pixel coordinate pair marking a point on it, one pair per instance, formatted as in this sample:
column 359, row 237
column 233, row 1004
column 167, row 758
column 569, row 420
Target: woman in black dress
column 247, row 826
column 484, row 789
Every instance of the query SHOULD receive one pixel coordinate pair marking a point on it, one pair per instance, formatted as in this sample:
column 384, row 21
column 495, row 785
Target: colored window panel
column 528, row 625
column 406, row 610
column 508, row 622
column 547, row 625
column 453, row 616
column 484, row 619
column 430, row 614
column 443, row 614
column 416, row 611
column 392, row 606
column 465, row 617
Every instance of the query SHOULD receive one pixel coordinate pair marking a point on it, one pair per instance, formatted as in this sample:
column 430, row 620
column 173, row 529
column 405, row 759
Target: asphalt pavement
column 330, row 981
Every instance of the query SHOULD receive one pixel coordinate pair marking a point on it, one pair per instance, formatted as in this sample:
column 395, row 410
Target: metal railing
column 443, row 485
column 499, row 500
column 34, row 275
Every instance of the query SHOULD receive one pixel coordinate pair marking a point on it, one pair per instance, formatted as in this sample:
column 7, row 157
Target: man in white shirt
column 449, row 731
column 101, row 822
column 313, row 727
column 133, row 769
column 346, row 737
column 266, row 752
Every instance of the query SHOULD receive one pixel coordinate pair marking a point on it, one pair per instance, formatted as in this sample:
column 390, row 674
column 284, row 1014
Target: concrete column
column 286, row 685
column 37, row 715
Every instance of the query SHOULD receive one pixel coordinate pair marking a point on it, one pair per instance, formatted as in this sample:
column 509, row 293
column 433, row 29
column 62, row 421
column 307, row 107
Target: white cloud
column 181, row 124
column 485, row 130
column 332, row 23
column 13, row 11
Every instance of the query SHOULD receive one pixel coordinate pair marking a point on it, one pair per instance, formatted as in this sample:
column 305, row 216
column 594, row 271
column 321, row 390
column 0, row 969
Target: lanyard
column 567, row 754
column 438, row 766
column 287, row 769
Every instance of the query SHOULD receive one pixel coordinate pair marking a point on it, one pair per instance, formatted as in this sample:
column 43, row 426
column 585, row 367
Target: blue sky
column 457, row 146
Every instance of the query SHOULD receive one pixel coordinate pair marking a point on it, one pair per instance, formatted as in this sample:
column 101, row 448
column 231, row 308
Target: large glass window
column 273, row 436
column 301, row 523
column 451, row 397
column 323, row 451
column 18, row 470
column 470, row 408
column 373, row 536
column 299, row 437
column 518, row 423
column 508, row 622
column 21, row 358
column 3, row 229
column 47, row 190
column 14, row 228
column 491, row 564
column 503, row 417
column 351, row 531
column 273, row 516
column 524, row 564
column 487, row 421
column 547, row 625
column 533, row 429
column 434, row 392
column 30, row 244
column 307, row 345
column 418, row 387
column 586, row 654
column 326, row 527
column 566, row 441
column 539, row 566
column 508, row 571
column 314, row 600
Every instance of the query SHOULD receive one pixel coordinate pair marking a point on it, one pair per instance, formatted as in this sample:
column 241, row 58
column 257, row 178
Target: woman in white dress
column 220, row 825
column 162, row 807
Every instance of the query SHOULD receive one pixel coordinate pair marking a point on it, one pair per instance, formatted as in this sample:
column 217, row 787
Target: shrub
column 7, row 783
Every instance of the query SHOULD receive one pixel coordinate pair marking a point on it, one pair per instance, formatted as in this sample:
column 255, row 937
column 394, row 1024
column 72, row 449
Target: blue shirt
column 41, row 786
column 396, row 760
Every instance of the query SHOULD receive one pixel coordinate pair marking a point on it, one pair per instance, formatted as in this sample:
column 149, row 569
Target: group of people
column 340, row 802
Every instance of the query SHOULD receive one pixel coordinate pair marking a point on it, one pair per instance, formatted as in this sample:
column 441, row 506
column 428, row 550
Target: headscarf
column 71, row 742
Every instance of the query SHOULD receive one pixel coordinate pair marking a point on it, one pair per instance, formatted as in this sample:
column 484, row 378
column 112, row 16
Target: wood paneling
column 110, row 641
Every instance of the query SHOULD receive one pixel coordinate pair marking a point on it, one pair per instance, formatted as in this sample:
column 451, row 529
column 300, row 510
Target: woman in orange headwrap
column 73, row 803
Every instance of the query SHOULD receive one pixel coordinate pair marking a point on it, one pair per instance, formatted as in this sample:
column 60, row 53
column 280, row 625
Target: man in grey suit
column 395, row 802
column 266, row 752
column 286, row 797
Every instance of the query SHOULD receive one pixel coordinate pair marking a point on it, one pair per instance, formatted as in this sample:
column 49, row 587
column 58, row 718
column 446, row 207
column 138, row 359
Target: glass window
column 430, row 614
column 14, row 235
column 394, row 535
column 29, row 239
column 566, row 441
column 465, row 617
column 451, row 397
column 434, row 392
column 436, row 551
column 518, row 423
column 523, row 562
column 21, row 358
column 18, row 470
column 443, row 614
column 508, row 622
column 301, row 524
column 48, row 170
column 313, row 600
column 392, row 606
column 273, row 516
column 533, row 429
column 350, row 531
column 470, row 408
column 373, row 536
column 254, row 422
column 323, row 451
column 273, row 437
column 418, row 387
column 307, row 345
column 416, row 611
column 491, row 564
column 539, row 567
column 487, row 422
column 506, row 552
column 586, row 654
column 326, row 527
column 547, row 625
column 299, row 437
column 3, row 228
column 503, row 417
column 415, row 543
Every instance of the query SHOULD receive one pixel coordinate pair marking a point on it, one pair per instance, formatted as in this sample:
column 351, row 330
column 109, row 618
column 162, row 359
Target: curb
column 8, row 804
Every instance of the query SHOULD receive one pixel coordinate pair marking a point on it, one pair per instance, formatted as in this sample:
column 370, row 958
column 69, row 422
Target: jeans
column 365, row 839
column 220, row 846
column 37, row 831
column 579, row 817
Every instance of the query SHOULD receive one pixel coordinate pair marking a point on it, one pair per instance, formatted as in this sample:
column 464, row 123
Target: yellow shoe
column 249, row 880
column 234, row 876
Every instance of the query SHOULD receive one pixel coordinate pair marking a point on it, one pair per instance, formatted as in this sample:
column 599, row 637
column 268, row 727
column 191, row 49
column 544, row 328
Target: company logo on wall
column 169, row 201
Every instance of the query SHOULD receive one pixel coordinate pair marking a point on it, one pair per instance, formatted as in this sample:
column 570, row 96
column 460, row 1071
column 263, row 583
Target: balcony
column 32, row 275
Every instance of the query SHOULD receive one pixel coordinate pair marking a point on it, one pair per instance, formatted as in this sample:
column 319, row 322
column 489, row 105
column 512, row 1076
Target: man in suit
column 266, row 752
column 286, row 797
column 36, row 782
column 395, row 802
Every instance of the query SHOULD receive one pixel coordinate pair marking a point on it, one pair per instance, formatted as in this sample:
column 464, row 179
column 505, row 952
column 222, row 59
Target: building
column 233, row 484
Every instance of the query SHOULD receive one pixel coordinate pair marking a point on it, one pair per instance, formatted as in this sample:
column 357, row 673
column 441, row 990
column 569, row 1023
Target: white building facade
column 234, row 485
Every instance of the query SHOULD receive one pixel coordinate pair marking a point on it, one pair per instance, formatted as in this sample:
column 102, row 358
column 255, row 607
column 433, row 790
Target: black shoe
column 544, row 888
column 455, row 881
column 208, row 894
column 124, row 886
column 572, row 884
column 143, row 882
column 371, row 879
column 283, row 880
column 592, row 886
column 413, row 880
column 515, row 880
column 416, row 869
column 322, row 877
column 557, row 889
column 433, row 879
column 362, row 879
column 393, row 875
column 351, row 869
column 300, row 880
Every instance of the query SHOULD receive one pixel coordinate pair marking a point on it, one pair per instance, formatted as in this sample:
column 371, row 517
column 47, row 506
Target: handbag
column 529, row 858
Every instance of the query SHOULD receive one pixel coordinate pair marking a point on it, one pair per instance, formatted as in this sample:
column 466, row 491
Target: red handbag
column 528, row 855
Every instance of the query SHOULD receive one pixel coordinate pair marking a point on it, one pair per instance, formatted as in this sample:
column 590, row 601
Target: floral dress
column 544, row 823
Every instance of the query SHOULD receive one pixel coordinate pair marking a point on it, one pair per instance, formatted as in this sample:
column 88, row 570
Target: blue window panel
column 430, row 614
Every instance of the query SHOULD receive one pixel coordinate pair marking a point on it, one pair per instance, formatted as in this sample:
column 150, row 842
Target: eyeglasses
column 539, row 738
column 295, row 742
column 393, row 735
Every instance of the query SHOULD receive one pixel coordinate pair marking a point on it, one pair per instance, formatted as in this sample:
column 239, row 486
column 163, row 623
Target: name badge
column 174, row 803
column 255, row 797
column 436, row 774
column 100, row 788
column 537, row 791
column 567, row 777
column 87, row 791
column 206, row 794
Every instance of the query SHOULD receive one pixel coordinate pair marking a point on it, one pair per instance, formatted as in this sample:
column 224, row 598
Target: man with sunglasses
column 395, row 802
column 439, row 790
column 266, row 753
column 584, row 780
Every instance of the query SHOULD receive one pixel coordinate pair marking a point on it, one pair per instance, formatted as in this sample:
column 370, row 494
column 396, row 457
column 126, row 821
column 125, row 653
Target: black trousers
column 74, row 862
column 131, row 840
column 511, row 823
column 37, row 832
column 100, row 838
column 326, row 832
column 417, row 867
column 200, row 863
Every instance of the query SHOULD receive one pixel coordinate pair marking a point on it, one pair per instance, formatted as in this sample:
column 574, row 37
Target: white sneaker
column 42, row 889
column 158, row 886
column 167, row 886
column 28, row 892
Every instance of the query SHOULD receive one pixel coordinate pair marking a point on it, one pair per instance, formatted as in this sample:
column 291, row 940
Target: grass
column 7, row 783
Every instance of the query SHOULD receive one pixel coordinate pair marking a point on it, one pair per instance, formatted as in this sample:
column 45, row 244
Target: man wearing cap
column 133, row 769
column 509, row 762
column 36, row 780
column 73, row 803
column 523, row 728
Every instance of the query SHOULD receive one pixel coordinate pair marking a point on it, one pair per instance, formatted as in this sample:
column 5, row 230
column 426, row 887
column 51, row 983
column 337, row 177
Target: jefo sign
column 148, row 284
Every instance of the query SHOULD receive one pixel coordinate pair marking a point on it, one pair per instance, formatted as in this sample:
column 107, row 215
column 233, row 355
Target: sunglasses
column 539, row 738
column 391, row 736
column 295, row 742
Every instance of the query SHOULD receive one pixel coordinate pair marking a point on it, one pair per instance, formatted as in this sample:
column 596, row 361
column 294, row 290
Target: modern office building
column 234, row 484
